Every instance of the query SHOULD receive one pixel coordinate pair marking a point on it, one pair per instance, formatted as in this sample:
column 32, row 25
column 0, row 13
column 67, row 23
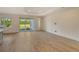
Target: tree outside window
column 6, row 22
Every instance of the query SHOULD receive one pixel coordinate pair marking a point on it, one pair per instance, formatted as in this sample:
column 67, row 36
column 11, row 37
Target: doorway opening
column 24, row 25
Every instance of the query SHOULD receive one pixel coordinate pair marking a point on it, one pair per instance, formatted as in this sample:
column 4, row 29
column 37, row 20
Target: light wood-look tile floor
column 37, row 42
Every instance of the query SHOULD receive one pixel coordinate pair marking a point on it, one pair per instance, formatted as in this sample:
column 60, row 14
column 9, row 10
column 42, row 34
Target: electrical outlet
column 55, row 23
column 55, row 31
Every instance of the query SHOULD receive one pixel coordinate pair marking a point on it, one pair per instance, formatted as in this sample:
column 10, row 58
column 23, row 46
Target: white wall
column 67, row 23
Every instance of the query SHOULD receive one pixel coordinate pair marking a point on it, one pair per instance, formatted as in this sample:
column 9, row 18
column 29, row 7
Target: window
column 22, row 24
column 25, row 24
column 28, row 24
column 6, row 22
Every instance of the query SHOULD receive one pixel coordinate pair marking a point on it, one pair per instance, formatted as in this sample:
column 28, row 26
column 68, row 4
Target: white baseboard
column 66, row 36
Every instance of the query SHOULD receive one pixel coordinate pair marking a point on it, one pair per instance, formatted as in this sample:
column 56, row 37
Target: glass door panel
column 22, row 24
column 25, row 24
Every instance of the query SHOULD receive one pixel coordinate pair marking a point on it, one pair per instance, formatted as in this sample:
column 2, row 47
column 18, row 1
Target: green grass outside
column 22, row 26
column 25, row 24
column 6, row 23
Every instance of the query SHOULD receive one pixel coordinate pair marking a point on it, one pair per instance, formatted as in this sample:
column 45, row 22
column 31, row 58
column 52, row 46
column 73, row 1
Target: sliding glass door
column 25, row 24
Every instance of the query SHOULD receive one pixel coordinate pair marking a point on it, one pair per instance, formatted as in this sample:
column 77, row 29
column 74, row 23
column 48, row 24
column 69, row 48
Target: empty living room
column 39, row 29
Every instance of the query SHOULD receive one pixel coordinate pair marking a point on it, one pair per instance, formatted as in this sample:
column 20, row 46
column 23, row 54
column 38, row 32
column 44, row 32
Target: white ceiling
column 36, row 11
